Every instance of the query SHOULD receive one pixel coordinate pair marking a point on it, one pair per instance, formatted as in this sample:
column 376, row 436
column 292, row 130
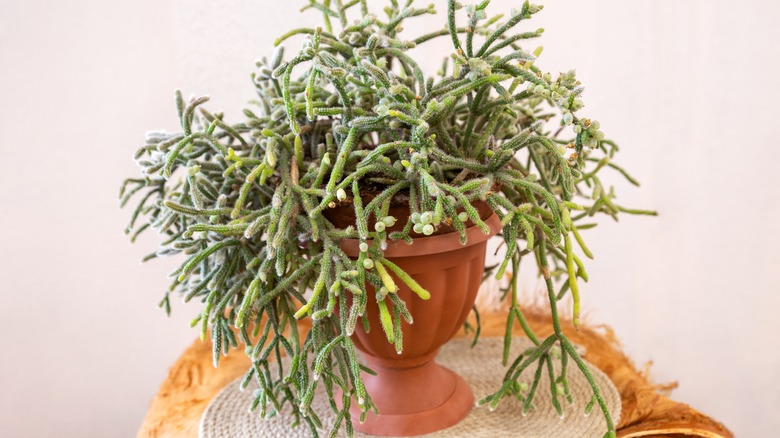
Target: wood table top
column 192, row 382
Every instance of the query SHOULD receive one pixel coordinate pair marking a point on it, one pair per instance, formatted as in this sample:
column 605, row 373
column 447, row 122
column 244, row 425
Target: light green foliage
column 352, row 110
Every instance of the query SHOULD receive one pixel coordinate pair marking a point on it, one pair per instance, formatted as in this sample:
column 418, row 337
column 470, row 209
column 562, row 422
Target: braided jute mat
column 228, row 416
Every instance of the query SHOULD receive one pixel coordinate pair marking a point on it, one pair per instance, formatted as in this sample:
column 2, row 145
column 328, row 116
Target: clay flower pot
column 413, row 393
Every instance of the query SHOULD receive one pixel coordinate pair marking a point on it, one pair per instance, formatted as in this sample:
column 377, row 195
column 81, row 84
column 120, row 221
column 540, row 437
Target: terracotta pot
column 413, row 393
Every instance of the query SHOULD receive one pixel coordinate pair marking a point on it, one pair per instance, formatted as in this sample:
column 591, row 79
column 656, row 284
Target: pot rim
column 421, row 246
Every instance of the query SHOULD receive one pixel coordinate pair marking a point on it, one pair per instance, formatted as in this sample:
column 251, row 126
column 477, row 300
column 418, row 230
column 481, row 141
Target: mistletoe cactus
column 246, row 203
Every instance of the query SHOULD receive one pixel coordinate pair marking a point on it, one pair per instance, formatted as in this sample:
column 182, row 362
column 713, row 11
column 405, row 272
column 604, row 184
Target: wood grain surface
column 647, row 410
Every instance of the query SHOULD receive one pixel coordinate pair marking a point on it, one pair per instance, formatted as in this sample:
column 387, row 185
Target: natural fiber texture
column 227, row 415
column 647, row 411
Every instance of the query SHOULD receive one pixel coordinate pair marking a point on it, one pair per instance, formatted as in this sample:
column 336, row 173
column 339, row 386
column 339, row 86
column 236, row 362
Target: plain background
column 687, row 88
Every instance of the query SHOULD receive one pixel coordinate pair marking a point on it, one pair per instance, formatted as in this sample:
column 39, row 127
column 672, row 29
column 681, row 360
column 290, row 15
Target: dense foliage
column 352, row 109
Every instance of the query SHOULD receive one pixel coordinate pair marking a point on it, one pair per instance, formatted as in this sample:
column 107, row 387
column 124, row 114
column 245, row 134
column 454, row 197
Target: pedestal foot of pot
column 414, row 401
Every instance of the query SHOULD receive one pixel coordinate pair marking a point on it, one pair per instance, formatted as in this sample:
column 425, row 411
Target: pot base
column 414, row 400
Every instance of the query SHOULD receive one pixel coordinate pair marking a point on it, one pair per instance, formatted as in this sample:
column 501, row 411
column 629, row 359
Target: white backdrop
column 687, row 88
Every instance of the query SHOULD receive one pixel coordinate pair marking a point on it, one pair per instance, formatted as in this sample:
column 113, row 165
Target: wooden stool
column 647, row 412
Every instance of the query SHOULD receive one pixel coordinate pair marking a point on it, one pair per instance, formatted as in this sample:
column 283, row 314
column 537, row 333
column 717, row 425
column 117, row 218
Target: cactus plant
column 352, row 111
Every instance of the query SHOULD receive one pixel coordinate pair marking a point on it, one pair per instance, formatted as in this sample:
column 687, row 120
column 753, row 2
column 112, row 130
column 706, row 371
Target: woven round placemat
column 228, row 416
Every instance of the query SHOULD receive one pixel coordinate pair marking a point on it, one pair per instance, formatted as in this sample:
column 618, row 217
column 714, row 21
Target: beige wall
column 688, row 88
